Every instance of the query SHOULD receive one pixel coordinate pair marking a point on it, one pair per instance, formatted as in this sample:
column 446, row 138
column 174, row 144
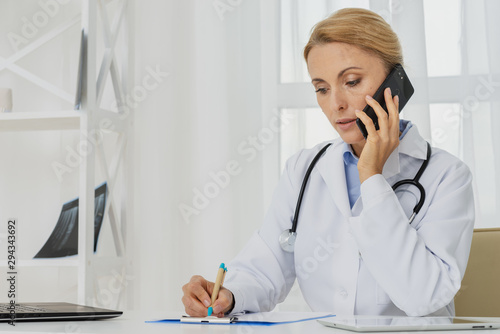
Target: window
column 307, row 128
column 455, row 106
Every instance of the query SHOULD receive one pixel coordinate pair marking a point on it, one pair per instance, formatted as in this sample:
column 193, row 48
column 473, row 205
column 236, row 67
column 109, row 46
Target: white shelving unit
column 86, row 120
column 35, row 121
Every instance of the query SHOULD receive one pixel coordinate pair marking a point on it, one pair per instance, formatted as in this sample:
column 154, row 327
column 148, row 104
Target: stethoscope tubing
column 303, row 187
column 415, row 182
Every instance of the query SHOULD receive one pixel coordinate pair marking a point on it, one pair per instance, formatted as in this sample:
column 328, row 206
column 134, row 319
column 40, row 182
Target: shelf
column 92, row 77
column 56, row 262
column 40, row 120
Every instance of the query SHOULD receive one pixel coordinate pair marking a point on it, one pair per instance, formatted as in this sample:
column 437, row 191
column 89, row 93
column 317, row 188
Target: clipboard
column 208, row 320
column 252, row 319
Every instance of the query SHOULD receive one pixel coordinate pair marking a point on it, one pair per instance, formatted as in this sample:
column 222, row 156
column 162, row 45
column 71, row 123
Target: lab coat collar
column 412, row 145
column 331, row 168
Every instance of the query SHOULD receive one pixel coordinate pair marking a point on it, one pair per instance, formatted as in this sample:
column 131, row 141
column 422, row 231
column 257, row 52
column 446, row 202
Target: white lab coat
column 367, row 260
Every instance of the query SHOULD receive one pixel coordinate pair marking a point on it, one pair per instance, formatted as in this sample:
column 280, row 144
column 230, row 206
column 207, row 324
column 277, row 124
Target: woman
column 355, row 251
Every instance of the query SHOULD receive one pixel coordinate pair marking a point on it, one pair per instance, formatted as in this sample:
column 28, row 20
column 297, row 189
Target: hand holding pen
column 221, row 274
column 197, row 297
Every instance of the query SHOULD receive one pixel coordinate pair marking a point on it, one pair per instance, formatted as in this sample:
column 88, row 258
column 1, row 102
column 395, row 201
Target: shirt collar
column 348, row 154
column 411, row 144
column 404, row 127
column 351, row 159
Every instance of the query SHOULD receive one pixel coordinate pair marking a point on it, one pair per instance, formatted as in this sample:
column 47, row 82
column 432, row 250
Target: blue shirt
column 351, row 165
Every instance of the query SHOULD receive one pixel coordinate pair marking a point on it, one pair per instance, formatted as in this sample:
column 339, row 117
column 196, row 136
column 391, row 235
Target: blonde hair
column 362, row 28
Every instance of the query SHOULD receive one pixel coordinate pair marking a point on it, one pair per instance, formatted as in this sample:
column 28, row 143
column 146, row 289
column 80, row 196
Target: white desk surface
column 134, row 322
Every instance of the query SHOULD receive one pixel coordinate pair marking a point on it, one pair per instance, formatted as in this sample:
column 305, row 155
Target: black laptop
column 53, row 311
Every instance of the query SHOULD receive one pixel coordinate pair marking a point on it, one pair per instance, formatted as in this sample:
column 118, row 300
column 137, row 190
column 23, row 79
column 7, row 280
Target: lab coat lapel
column 391, row 166
column 412, row 145
column 331, row 168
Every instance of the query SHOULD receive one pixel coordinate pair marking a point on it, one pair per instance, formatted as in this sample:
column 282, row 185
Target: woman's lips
column 345, row 123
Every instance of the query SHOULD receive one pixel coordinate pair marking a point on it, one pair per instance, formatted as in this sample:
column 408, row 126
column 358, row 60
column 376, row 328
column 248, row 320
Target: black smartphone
column 400, row 85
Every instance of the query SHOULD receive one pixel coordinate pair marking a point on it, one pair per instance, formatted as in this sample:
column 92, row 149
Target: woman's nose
column 337, row 101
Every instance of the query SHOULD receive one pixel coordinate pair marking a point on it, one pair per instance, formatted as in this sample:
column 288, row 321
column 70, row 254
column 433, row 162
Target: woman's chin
column 353, row 136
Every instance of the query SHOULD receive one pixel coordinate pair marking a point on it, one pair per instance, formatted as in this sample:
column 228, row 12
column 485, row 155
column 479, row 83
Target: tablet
column 390, row 324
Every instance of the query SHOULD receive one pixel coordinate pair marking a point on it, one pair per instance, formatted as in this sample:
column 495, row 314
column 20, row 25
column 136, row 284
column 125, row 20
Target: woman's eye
column 321, row 90
column 352, row 83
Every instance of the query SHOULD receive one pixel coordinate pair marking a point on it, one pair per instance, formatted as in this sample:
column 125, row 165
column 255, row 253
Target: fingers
column 383, row 116
column 392, row 104
column 367, row 121
column 224, row 303
column 388, row 121
column 380, row 144
column 196, row 299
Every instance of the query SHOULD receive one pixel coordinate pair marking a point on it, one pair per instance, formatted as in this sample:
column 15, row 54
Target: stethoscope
column 287, row 238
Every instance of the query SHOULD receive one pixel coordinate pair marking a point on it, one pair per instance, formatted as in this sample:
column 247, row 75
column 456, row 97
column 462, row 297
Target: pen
column 218, row 283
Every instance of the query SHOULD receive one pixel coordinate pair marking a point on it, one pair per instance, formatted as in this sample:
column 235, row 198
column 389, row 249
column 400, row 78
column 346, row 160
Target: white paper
column 211, row 319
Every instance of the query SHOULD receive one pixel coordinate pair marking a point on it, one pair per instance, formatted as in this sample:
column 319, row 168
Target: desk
column 133, row 323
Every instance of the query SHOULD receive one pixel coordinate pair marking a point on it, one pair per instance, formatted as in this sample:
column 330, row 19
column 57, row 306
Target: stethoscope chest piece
column 287, row 237
column 287, row 240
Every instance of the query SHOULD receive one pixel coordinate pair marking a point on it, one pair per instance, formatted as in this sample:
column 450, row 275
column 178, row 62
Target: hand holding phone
column 400, row 85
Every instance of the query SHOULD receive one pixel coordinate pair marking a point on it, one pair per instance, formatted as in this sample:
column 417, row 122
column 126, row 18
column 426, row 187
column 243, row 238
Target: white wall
column 182, row 134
